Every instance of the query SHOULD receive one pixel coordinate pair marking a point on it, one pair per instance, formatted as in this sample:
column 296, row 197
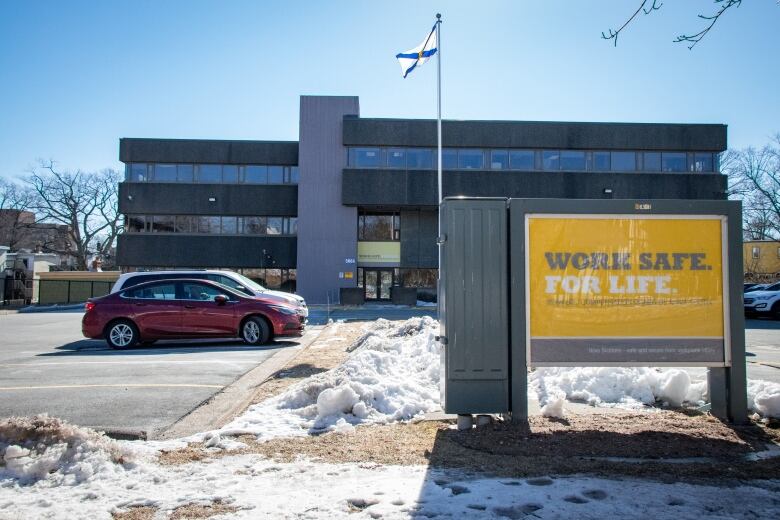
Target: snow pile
column 764, row 398
column 605, row 386
column 41, row 447
column 391, row 374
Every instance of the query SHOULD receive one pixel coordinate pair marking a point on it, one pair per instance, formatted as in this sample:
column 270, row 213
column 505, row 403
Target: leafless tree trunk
column 85, row 202
column 754, row 177
column 15, row 201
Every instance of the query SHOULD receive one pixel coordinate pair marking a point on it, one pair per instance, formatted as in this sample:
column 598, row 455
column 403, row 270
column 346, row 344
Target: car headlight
column 284, row 310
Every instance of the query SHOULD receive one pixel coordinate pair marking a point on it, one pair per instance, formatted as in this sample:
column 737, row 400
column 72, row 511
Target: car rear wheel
column 121, row 335
column 775, row 311
column 255, row 331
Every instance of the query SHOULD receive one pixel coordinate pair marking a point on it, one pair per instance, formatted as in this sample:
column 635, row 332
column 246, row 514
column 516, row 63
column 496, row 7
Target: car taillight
column 89, row 306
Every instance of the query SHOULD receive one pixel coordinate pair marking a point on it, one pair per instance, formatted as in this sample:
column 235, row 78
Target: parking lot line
column 129, row 385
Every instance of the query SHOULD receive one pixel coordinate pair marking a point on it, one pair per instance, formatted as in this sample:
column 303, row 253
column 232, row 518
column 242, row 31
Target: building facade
column 348, row 213
column 762, row 260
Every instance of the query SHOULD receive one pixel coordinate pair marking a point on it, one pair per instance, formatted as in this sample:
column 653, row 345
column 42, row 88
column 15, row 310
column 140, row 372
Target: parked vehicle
column 187, row 308
column 752, row 287
column 230, row 279
column 764, row 302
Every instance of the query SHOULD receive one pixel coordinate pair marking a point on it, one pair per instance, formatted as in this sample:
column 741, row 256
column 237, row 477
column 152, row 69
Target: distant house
column 761, row 260
column 20, row 231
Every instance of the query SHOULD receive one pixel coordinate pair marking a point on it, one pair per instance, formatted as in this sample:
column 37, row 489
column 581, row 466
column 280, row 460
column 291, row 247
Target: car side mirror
column 220, row 299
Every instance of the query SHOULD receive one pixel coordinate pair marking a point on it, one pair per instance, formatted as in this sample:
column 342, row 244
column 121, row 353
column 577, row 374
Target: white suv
column 230, row 279
column 765, row 302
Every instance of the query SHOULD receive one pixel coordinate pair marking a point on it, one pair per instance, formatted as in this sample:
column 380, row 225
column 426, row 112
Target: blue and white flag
column 419, row 55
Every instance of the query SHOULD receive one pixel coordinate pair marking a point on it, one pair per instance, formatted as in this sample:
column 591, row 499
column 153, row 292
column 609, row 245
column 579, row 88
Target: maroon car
column 176, row 309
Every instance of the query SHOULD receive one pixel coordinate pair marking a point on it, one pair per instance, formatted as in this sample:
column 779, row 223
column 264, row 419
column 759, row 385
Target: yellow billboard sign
column 619, row 285
column 379, row 253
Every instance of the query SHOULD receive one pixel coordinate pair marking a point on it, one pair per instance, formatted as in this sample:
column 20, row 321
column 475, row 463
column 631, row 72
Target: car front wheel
column 255, row 331
column 121, row 335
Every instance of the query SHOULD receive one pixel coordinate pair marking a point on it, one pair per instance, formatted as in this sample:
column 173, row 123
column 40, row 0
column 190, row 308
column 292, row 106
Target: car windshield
column 250, row 284
column 773, row 287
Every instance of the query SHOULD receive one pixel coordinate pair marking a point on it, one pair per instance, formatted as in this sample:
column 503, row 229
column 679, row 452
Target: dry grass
column 194, row 511
column 135, row 513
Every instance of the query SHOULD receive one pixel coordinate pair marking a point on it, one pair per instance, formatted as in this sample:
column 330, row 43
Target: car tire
column 255, row 331
column 775, row 311
column 121, row 335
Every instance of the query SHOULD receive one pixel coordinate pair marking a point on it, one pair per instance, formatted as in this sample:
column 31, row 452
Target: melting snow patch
column 391, row 374
column 44, row 448
column 764, row 398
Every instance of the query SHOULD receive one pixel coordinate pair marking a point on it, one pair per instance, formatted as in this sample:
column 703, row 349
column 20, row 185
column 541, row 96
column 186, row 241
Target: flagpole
column 438, row 103
column 438, row 162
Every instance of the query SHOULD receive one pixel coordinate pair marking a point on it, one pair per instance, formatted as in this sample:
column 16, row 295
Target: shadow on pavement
column 766, row 324
column 87, row 347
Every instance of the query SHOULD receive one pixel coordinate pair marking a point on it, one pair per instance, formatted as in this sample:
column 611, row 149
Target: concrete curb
column 236, row 397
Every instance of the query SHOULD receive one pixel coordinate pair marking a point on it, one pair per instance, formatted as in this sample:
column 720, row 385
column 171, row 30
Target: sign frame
column 725, row 300
column 727, row 381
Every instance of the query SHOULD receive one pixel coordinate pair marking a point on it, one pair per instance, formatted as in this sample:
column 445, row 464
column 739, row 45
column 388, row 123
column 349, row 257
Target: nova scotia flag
column 419, row 55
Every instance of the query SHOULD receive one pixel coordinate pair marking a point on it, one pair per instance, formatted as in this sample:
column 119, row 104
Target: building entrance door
column 377, row 284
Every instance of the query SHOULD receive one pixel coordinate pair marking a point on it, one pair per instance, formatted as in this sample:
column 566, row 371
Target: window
column 499, row 159
column 185, row 172
column 186, row 224
column 449, row 159
column 275, row 174
column 652, row 162
column 367, row 157
column 254, row 225
column 208, row 225
column 165, row 291
column 601, row 161
column 274, row 226
column 163, row 223
column 419, row 159
column 673, row 162
column 419, row 277
column 209, row 173
column 470, row 159
column 702, row 162
column 229, row 225
column 165, row 173
column 256, row 174
column 572, row 160
column 291, row 226
column 138, row 172
column 551, row 160
column 521, row 159
column 199, row 291
column 396, row 158
column 756, row 252
column 230, row 174
column 135, row 223
column 378, row 227
column 623, row 161
column 294, row 175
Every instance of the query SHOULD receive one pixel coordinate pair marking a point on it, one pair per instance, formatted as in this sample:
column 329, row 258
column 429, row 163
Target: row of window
column 416, row 278
column 379, row 226
column 283, row 279
column 549, row 160
column 213, row 225
column 211, row 173
column 756, row 252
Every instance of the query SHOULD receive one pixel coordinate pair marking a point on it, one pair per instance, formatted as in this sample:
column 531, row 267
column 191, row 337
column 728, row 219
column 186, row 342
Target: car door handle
column 139, row 304
column 189, row 306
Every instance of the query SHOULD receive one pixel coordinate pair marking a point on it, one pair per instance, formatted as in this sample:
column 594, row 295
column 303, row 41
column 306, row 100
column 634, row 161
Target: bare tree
column 85, row 202
column 646, row 7
column 754, row 177
column 15, row 203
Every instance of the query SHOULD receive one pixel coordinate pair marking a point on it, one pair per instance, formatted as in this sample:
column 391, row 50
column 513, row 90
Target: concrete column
column 327, row 230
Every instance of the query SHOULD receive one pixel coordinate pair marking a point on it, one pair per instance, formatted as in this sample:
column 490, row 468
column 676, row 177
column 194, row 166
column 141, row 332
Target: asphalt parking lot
column 47, row 366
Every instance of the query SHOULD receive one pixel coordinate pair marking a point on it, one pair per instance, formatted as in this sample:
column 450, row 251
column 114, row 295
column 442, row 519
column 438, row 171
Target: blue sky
column 76, row 76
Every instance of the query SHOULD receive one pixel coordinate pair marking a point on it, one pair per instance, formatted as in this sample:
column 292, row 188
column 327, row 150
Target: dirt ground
column 578, row 444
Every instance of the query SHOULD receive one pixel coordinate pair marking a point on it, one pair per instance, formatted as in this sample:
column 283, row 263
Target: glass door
column 377, row 284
